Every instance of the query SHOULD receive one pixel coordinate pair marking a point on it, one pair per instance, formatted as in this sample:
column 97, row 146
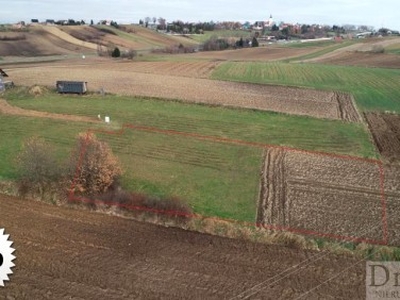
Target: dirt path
column 72, row 254
column 385, row 129
column 347, row 107
column 272, row 210
column 6, row 108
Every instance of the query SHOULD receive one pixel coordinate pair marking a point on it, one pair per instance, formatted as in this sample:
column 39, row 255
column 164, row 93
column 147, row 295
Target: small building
column 71, row 87
column 5, row 84
column 3, row 74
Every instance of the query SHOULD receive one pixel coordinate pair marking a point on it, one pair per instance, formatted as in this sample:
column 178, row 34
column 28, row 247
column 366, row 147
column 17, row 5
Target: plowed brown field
column 180, row 80
column 385, row 129
column 329, row 196
column 39, row 42
column 71, row 254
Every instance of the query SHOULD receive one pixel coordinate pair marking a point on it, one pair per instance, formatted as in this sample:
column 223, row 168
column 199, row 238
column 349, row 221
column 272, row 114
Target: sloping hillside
column 131, row 37
column 62, row 40
column 41, row 41
column 372, row 52
column 56, row 31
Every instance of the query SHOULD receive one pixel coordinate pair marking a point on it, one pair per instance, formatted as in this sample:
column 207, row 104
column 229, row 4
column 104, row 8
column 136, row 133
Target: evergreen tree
column 254, row 42
column 116, row 52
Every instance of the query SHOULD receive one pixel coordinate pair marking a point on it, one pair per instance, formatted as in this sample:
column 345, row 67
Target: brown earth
column 347, row 107
column 141, row 39
column 174, row 80
column 73, row 254
column 39, row 42
column 329, row 195
column 62, row 40
column 158, row 39
column 272, row 206
column 8, row 109
column 385, row 129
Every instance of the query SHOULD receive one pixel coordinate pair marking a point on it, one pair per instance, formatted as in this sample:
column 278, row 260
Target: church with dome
column 269, row 23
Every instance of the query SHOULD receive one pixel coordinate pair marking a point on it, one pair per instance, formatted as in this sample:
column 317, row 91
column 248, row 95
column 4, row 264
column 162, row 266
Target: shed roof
column 2, row 73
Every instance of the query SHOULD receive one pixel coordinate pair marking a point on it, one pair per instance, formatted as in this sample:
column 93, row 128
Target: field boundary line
column 73, row 198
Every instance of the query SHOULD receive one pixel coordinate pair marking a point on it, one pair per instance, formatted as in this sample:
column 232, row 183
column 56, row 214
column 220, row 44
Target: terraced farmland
column 220, row 179
column 156, row 80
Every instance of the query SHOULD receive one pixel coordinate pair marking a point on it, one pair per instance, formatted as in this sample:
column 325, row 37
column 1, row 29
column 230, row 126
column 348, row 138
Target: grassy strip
column 131, row 37
column 61, row 134
column 394, row 49
column 253, row 126
column 374, row 89
column 215, row 179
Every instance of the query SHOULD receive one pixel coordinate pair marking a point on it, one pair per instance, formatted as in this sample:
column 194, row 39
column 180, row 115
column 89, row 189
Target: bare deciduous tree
column 37, row 167
column 94, row 167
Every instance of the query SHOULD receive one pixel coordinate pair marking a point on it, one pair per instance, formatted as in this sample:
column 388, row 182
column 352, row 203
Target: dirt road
column 72, row 254
column 8, row 109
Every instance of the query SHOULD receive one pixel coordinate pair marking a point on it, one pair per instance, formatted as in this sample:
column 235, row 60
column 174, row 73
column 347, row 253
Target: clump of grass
column 37, row 90
column 377, row 49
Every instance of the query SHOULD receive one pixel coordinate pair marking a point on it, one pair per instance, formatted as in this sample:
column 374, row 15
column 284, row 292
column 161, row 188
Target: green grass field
column 14, row 130
column 374, row 89
column 242, row 124
column 217, row 179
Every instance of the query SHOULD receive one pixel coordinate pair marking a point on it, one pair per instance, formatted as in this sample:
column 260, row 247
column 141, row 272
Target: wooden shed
column 71, row 87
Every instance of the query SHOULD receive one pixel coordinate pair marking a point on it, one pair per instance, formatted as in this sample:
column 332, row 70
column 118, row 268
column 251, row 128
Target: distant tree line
column 190, row 28
column 217, row 44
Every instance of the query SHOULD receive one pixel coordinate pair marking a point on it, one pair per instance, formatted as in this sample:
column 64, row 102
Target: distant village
column 269, row 28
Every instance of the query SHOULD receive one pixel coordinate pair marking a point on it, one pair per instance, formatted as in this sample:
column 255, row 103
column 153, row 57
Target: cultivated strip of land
column 66, row 253
column 126, row 80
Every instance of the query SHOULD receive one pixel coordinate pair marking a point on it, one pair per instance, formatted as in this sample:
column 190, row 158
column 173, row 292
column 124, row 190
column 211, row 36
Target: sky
column 384, row 13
